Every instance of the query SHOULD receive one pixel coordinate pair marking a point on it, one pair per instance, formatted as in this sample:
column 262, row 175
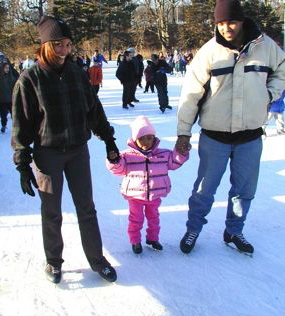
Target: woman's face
column 62, row 49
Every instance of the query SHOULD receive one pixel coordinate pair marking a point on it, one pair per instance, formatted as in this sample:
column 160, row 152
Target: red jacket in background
column 96, row 75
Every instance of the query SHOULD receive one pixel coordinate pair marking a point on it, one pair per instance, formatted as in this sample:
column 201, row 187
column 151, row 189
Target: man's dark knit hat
column 227, row 10
column 52, row 29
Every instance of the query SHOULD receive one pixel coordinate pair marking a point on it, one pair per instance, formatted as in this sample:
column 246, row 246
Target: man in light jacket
column 245, row 71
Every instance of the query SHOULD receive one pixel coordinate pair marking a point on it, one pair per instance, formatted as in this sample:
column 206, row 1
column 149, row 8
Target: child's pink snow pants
column 137, row 210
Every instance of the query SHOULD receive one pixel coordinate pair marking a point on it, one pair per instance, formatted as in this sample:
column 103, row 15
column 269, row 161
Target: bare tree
column 160, row 14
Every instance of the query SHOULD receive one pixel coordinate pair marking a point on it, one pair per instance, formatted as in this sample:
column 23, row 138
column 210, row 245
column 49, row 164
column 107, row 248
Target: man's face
column 230, row 30
column 154, row 60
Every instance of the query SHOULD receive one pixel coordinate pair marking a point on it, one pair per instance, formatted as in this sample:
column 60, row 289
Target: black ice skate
column 137, row 248
column 240, row 242
column 108, row 273
column 53, row 274
column 155, row 244
column 188, row 241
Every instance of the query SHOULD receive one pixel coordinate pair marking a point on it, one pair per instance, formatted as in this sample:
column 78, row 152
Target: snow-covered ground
column 213, row 280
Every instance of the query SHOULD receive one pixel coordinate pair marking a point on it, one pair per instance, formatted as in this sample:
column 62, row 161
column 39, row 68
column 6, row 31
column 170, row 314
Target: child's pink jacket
column 146, row 176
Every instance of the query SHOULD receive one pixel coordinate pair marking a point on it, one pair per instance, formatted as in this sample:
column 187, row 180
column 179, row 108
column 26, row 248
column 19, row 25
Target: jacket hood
column 141, row 126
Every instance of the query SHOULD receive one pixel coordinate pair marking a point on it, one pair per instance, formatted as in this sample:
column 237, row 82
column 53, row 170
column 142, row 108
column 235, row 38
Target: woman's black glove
column 27, row 178
column 113, row 154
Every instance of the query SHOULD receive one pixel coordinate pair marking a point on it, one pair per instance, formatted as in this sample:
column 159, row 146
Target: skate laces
column 106, row 271
column 242, row 239
column 191, row 237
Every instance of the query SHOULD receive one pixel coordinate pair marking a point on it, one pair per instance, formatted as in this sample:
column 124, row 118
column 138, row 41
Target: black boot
column 108, row 273
column 125, row 107
column 155, row 244
column 53, row 274
column 239, row 241
column 3, row 129
column 137, row 248
column 188, row 241
column 168, row 107
column 105, row 270
column 162, row 109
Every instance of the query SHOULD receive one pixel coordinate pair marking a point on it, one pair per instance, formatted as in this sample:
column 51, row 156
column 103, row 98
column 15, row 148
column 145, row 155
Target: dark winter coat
column 7, row 82
column 55, row 110
column 159, row 71
column 148, row 74
column 126, row 72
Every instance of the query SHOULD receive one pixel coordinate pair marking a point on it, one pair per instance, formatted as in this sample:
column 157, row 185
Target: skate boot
column 53, row 273
column 188, row 241
column 108, row 273
column 105, row 270
column 137, row 248
column 239, row 241
column 155, row 244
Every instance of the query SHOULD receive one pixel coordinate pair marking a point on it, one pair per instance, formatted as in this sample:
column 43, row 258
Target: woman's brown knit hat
column 52, row 29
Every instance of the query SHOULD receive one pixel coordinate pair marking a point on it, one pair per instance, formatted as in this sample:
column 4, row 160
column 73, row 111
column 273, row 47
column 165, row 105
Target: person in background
column 161, row 56
column 245, row 70
column 145, row 169
column 54, row 111
column 27, row 63
column 159, row 69
column 120, row 58
column 148, row 77
column 96, row 76
column 276, row 111
column 127, row 75
column 87, row 61
column 7, row 82
column 169, row 60
column 136, row 62
column 141, row 68
column 98, row 58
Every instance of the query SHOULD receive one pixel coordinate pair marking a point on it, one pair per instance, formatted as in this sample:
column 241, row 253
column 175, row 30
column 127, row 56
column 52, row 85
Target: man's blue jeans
column 244, row 170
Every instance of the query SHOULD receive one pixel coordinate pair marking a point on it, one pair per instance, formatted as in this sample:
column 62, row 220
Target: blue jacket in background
column 278, row 105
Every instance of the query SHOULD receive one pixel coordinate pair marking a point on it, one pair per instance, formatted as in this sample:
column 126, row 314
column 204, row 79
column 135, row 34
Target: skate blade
column 234, row 248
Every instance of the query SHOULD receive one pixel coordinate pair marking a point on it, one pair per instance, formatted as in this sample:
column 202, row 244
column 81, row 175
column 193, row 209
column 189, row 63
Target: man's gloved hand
column 113, row 154
column 183, row 144
column 27, row 178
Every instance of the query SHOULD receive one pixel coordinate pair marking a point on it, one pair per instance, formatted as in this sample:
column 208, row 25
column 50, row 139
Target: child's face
column 145, row 142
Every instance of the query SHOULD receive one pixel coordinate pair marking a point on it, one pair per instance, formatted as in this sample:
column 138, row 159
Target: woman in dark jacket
column 54, row 112
column 127, row 75
column 7, row 82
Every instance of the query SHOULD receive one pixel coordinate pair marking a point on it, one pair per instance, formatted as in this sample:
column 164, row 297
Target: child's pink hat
column 141, row 126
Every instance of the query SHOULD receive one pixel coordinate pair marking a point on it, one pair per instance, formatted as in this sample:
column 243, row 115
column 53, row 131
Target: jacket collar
column 48, row 67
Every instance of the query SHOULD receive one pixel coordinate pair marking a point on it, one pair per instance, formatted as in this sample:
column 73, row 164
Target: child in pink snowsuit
column 145, row 170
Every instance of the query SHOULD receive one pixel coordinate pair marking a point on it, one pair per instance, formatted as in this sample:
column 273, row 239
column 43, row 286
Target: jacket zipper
column 67, row 113
column 147, row 177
